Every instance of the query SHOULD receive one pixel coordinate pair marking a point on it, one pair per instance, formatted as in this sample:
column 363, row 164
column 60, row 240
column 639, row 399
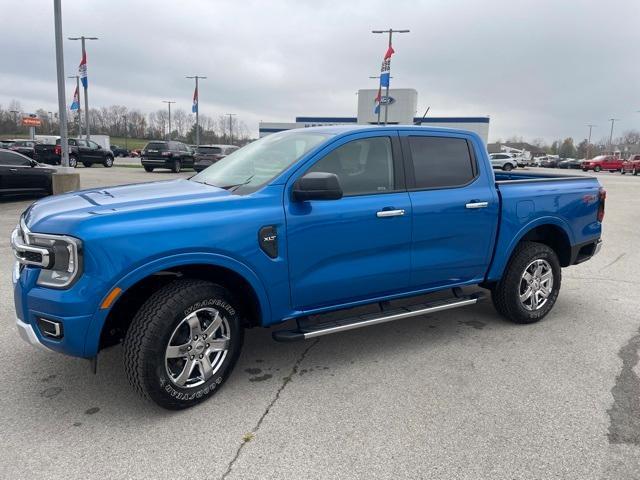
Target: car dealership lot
column 458, row 394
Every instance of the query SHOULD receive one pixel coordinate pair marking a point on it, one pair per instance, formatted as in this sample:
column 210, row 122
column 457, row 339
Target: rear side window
column 440, row 162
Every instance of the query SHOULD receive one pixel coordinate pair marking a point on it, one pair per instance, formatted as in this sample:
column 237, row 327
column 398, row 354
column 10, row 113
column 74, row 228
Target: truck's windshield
column 250, row 167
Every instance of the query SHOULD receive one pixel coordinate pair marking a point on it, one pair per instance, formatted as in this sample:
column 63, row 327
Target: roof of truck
column 344, row 129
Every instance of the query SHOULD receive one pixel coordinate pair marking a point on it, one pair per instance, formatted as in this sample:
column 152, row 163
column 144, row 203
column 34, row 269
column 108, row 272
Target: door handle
column 13, row 169
column 389, row 213
column 477, row 205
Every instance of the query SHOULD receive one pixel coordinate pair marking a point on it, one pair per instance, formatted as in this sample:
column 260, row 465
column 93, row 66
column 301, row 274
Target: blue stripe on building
column 452, row 120
column 327, row 119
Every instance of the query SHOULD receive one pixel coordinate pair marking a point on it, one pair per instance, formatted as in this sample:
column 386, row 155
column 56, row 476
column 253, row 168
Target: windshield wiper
column 233, row 188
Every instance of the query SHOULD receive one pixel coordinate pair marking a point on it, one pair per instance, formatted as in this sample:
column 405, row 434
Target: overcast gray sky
column 538, row 68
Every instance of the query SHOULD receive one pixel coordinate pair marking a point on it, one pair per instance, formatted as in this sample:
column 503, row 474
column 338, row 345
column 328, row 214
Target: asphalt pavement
column 461, row 394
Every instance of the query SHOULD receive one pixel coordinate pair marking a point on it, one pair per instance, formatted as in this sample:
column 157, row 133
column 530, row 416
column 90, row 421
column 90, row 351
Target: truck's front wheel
column 530, row 284
column 183, row 343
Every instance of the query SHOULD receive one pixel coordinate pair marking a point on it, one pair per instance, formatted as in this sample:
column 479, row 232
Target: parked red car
column 631, row 165
column 603, row 162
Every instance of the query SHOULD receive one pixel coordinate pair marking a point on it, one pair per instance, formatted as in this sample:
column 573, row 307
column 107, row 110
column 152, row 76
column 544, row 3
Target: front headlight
column 65, row 263
column 58, row 256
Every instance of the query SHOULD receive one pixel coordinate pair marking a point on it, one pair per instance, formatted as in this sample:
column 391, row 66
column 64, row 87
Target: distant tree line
column 567, row 148
column 119, row 121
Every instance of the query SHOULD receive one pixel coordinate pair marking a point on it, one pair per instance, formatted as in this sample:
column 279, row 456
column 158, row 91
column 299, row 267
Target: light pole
column 85, row 84
column 126, row 132
column 231, row 115
column 391, row 31
column 589, row 141
column 169, row 102
column 196, row 106
column 78, row 116
column 612, row 120
column 62, row 97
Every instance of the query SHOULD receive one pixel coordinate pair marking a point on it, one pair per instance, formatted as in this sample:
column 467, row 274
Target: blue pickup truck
column 284, row 231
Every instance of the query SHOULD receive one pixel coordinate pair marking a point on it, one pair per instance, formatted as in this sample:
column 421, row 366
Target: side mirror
column 317, row 186
column 33, row 163
column 99, row 147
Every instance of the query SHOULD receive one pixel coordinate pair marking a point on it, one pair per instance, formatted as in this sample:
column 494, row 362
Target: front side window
column 253, row 165
column 93, row 144
column 13, row 159
column 362, row 166
column 440, row 162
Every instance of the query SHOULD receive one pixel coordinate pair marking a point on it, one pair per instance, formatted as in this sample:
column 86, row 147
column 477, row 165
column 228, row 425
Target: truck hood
column 58, row 213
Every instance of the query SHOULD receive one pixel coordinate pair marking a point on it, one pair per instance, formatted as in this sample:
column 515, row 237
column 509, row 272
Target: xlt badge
column 268, row 240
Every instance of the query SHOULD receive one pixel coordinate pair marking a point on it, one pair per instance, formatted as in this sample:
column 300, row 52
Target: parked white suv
column 504, row 161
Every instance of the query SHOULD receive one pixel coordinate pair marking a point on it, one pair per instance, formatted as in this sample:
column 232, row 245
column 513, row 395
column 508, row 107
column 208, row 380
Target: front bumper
column 75, row 309
column 29, row 335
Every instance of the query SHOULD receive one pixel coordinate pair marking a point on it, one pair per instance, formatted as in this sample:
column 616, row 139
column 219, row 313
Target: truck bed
column 567, row 203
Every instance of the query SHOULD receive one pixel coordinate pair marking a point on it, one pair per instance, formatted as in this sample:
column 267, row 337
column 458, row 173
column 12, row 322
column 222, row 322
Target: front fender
column 92, row 339
column 508, row 242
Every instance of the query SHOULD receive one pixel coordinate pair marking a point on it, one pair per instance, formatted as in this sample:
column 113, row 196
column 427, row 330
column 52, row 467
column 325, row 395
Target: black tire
column 73, row 162
column 177, row 166
column 597, row 168
column 506, row 294
column 87, row 164
column 507, row 167
column 147, row 168
column 152, row 330
column 108, row 162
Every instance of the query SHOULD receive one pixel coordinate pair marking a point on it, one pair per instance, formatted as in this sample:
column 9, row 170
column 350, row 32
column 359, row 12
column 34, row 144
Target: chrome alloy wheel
column 536, row 285
column 197, row 348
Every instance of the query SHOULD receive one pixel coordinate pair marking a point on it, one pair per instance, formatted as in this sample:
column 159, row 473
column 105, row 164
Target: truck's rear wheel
column 73, row 162
column 530, row 284
column 507, row 167
column 183, row 343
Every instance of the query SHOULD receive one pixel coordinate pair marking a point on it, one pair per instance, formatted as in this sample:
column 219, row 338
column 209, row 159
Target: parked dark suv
column 166, row 154
column 82, row 151
column 207, row 155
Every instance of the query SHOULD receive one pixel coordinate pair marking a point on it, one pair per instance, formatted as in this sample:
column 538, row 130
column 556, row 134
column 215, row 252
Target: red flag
column 390, row 51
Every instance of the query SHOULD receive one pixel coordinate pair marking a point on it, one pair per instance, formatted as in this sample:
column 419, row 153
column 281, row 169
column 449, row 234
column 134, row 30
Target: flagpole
column 391, row 31
column 87, row 128
column 197, row 105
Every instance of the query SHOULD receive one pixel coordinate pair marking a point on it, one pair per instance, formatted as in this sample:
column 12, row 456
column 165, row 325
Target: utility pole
column 62, row 97
column 85, row 84
column 169, row 102
column 391, row 31
column 15, row 119
column 126, row 132
column 612, row 120
column 196, row 106
column 78, row 115
column 231, row 115
column 589, row 141
column 378, row 78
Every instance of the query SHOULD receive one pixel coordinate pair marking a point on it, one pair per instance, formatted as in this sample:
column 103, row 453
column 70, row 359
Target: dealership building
column 403, row 104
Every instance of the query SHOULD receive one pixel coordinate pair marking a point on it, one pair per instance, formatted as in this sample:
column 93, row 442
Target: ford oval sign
column 384, row 100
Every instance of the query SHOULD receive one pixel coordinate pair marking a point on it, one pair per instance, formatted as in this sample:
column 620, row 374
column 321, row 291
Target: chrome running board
column 305, row 330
